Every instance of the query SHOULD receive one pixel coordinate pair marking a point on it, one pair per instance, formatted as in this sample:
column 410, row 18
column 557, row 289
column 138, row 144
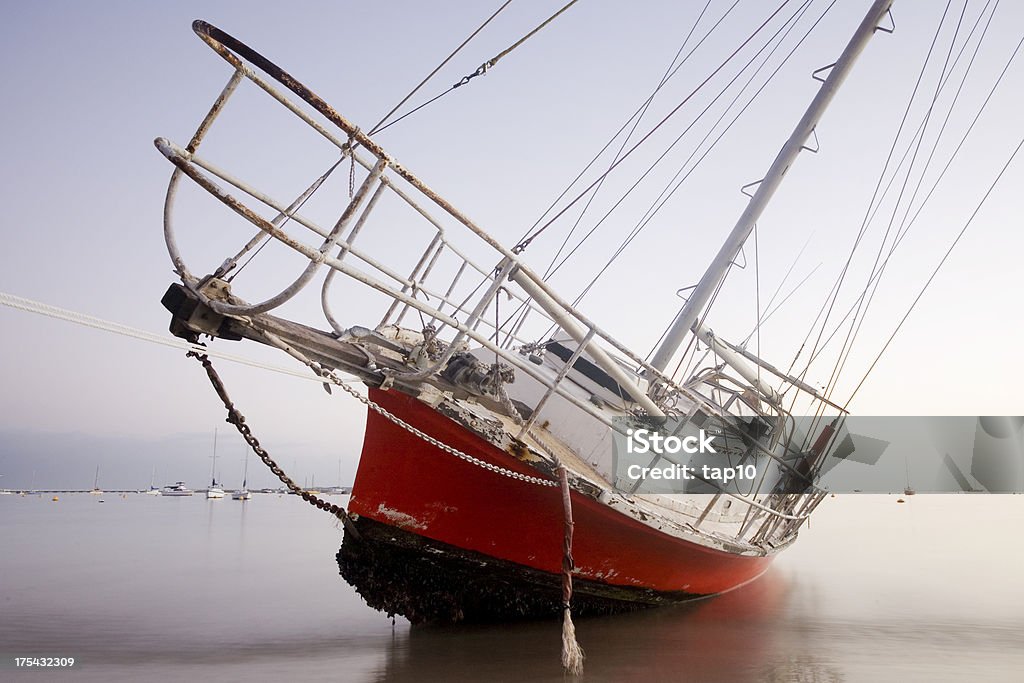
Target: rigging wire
column 817, row 352
column 757, row 301
column 523, row 311
column 30, row 306
column 879, row 266
column 616, row 135
column 494, row 60
column 667, row 193
column 481, row 70
column 830, row 300
column 931, row 191
column 778, row 289
column 378, row 126
column 935, row 272
column 899, row 239
column 636, row 119
column 782, row 30
column 694, row 344
column 861, row 312
column 769, row 313
column 523, row 244
column 691, row 346
column 293, row 209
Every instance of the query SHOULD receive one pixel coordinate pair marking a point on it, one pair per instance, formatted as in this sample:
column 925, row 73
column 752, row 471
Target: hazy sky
column 89, row 85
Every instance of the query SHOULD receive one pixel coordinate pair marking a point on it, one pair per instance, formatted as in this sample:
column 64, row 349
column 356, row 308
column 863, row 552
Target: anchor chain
column 390, row 417
column 238, row 420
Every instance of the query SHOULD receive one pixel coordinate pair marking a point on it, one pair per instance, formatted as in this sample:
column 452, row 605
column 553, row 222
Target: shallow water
column 168, row 588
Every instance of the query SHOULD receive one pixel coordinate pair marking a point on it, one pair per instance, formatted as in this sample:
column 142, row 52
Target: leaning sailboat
column 475, row 419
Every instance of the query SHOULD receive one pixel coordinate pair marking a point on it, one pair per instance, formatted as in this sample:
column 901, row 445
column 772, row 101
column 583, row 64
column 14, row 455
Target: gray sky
column 89, row 85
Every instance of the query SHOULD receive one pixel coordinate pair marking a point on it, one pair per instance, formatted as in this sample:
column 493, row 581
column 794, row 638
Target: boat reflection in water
column 749, row 634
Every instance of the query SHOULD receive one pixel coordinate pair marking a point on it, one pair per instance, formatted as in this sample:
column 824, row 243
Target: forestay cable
column 30, row 306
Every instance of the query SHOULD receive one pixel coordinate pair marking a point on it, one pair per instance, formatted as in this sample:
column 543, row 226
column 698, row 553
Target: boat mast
column 213, row 469
column 730, row 249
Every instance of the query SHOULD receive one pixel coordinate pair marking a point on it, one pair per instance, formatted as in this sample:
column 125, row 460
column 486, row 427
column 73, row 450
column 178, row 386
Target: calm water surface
column 146, row 587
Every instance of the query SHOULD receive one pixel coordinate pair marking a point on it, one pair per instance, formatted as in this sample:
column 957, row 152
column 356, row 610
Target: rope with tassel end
column 572, row 653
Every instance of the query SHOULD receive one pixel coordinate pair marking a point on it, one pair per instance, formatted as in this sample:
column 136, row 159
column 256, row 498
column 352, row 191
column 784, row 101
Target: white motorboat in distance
column 176, row 489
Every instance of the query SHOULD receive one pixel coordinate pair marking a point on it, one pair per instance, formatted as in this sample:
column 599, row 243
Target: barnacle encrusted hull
column 425, row 581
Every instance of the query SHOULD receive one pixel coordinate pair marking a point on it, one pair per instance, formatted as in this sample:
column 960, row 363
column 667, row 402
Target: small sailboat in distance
column 312, row 486
column 153, row 490
column 243, row 493
column 214, row 490
column 96, row 490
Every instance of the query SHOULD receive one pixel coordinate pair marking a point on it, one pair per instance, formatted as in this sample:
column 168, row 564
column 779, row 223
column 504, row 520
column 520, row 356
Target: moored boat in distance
column 214, row 490
column 243, row 493
column 96, row 490
column 153, row 490
column 176, row 489
column 338, row 490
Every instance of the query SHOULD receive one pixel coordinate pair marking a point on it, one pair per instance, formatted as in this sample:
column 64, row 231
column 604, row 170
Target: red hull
column 407, row 483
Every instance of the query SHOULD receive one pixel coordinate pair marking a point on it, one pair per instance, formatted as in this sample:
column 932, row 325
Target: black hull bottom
column 426, row 581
